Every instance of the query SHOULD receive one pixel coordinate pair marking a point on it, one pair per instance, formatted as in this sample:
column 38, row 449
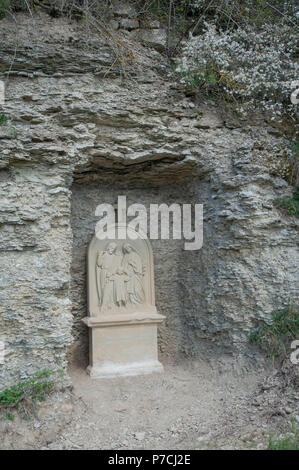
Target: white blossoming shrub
column 254, row 69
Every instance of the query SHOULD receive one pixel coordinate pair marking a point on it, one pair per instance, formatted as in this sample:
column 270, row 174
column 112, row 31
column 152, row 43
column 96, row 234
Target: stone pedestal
column 123, row 344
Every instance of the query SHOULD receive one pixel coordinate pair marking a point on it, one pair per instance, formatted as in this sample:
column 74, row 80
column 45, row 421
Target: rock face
column 79, row 135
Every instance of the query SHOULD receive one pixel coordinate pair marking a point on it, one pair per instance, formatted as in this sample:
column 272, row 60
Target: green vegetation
column 27, row 392
column 295, row 148
column 275, row 339
column 55, row 8
column 286, row 441
column 3, row 119
column 178, row 14
column 210, row 80
column 4, row 5
column 225, row 13
column 290, row 205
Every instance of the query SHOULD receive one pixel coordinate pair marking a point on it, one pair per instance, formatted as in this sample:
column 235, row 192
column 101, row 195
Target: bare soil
column 226, row 404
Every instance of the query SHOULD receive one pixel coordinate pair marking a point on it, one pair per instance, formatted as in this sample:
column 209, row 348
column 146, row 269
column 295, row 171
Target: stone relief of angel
column 119, row 277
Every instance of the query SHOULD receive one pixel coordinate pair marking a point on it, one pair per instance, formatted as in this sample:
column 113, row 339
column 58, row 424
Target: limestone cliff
column 80, row 133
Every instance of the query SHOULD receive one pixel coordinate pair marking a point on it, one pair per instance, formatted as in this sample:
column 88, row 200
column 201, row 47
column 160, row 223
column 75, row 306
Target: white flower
column 257, row 66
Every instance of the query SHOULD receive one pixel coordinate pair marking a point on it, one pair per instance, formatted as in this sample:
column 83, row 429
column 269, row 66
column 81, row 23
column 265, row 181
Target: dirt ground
column 226, row 404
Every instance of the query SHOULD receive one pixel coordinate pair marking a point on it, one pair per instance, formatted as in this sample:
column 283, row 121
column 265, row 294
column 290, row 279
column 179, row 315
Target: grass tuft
column 285, row 441
column 275, row 338
column 289, row 205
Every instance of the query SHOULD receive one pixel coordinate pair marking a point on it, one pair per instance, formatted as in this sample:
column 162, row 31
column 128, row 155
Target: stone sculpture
column 119, row 277
column 122, row 316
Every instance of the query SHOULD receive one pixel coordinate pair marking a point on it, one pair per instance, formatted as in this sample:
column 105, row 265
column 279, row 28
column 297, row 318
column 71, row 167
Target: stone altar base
column 123, row 344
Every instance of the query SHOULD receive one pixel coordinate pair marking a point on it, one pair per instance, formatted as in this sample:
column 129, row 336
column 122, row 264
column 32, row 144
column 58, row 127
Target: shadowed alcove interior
column 171, row 263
